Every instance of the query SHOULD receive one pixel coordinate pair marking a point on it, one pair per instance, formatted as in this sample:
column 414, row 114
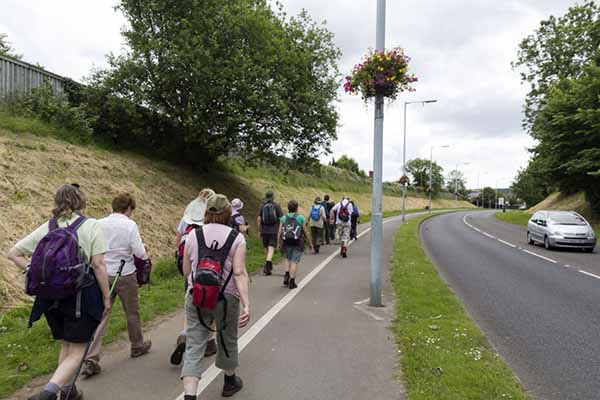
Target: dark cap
column 269, row 195
column 317, row 200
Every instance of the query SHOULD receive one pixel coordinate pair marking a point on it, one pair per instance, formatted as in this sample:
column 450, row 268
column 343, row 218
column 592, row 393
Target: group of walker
column 79, row 265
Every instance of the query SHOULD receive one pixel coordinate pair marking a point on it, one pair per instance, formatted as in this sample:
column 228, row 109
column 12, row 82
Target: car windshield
column 566, row 219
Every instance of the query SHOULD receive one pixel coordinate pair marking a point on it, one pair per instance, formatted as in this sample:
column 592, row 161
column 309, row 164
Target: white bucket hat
column 194, row 212
column 236, row 205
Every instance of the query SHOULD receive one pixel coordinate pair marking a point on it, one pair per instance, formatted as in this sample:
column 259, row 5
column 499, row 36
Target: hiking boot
column 286, row 279
column 75, row 394
column 317, row 249
column 344, row 252
column 44, row 395
column 292, row 284
column 233, row 384
column 211, row 348
column 268, row 268
column 90, row 368
column 142, row 350
column 177, row 355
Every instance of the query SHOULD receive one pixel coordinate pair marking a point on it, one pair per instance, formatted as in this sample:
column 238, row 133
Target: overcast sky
column 461, row 51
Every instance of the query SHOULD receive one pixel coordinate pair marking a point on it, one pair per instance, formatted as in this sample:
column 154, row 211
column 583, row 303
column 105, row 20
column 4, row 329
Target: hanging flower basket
column 381, row 73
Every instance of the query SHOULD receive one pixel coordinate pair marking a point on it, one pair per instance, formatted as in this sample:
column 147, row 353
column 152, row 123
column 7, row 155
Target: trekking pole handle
column 119, row 272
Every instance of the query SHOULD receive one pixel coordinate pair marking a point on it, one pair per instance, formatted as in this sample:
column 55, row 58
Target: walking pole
column 87, row 348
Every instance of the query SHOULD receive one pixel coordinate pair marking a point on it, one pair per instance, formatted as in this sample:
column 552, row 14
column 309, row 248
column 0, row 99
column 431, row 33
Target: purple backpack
column 58, row 269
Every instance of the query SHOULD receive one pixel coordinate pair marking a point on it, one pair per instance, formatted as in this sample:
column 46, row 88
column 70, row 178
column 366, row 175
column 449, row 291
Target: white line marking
column 369, row 313
column 540, row 256
column 358, row 303
column 488, row 235
column 212, row 372
column 589, row 274
column 506, row 243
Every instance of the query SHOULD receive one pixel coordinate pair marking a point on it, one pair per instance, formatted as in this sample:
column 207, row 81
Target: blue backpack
column 315, row 213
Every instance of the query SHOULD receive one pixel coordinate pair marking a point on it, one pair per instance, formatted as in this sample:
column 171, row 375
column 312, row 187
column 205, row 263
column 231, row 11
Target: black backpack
column 268, row 214
column 292, row 231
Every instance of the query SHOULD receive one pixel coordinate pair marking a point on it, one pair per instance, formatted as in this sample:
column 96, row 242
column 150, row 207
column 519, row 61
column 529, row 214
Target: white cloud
column 461, row 51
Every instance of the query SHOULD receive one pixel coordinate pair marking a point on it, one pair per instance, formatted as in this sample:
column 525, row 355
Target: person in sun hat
column 238, row 222
column 193, row 217
column 232, row 311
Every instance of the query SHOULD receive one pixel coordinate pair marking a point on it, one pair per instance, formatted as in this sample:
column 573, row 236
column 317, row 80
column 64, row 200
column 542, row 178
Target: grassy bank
column 514, row 217
column 522, row 218
column 444, row 353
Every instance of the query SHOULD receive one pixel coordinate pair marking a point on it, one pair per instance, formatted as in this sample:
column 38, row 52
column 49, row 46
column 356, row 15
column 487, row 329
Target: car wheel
column 589, row 250
column 530, row 239
column 547, row 243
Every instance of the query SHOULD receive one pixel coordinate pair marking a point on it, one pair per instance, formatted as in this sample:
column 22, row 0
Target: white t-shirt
column 123, row 239
column 344, row 203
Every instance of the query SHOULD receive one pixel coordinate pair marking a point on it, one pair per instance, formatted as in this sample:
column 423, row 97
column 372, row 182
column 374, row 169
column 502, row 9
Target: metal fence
column 20, row 77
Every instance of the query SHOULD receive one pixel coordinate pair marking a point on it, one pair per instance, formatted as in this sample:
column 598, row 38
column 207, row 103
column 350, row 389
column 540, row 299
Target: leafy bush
column 70, row 121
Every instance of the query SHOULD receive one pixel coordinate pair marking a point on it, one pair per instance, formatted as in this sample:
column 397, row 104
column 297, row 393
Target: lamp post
column 431, row 170
column 376, row 215
column 404, row 186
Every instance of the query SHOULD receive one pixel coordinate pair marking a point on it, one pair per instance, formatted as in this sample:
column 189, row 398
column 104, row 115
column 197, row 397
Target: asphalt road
column 539, row 311
column 324, row 343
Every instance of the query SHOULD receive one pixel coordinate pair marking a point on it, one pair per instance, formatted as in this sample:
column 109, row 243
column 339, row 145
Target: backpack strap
column 52, row 224
column 75, row 225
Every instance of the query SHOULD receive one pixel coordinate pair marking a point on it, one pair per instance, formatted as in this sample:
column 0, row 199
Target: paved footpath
column 320, row 341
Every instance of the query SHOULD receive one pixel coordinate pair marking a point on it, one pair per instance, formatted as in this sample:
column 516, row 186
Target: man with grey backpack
column 268, row 219
column 293, row 234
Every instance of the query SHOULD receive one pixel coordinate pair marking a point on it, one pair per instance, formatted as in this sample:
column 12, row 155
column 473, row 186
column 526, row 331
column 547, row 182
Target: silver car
column 561, row 229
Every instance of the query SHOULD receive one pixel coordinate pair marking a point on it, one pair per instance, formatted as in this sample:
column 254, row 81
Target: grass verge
column 444, row 353
column 514, row 217
column 29, row 353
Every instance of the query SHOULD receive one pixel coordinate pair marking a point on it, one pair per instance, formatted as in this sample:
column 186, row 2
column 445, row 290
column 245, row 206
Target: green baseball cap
column 217, row 204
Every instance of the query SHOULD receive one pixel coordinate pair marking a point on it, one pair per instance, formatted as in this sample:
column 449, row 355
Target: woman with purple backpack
column 70, row 288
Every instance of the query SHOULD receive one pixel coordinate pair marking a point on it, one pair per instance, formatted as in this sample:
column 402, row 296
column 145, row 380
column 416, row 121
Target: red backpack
column 343, row 213
column 181, row 249
column 208, row 283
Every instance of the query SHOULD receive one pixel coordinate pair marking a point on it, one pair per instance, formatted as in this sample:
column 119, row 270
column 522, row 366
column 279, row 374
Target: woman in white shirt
column 123, row 238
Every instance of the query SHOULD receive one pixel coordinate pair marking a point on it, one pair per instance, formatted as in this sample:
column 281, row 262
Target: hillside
column 558, row 201
column 33, row 167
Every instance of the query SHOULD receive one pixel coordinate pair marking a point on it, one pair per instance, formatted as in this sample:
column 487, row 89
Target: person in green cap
column 215, row 243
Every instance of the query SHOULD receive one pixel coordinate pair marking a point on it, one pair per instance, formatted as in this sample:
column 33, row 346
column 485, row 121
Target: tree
column 232, row 76
column 560, row 48
column 456, row 183
column 5, row 47
column 418, row 168
column 487, row 198
column 531, row 184
column 568, row 133
column 350, row 164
